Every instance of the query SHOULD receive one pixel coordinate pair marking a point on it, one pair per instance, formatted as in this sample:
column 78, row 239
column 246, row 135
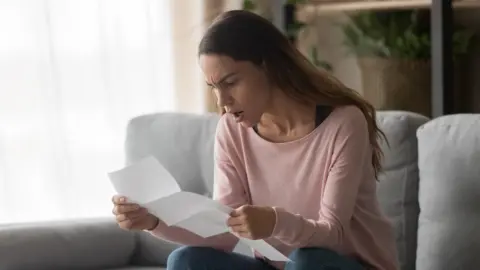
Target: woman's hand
column 252, row 222
column 131, row 216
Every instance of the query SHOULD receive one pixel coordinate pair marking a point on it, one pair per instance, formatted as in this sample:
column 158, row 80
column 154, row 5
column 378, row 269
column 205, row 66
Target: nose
column 223, row 99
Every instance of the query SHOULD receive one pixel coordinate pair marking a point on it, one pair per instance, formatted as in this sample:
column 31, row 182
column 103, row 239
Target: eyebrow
column 222, row 79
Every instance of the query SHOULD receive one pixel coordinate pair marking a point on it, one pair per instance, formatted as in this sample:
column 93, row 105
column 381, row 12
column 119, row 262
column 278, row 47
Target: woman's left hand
column 252, row 222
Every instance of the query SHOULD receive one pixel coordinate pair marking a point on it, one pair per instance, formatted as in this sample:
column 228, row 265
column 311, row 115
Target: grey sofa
column 430, row 190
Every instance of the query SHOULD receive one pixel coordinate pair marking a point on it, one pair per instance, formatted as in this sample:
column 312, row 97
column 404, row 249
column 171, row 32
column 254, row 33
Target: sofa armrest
column 449, row 193
column 79, row 244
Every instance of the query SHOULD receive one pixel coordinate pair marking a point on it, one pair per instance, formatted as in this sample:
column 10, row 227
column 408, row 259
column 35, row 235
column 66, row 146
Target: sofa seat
column 139, row 268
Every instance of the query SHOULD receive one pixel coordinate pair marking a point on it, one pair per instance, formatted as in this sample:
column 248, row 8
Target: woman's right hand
column 131, row 216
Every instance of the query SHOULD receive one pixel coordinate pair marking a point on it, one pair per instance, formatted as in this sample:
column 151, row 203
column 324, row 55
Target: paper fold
column 150, row 185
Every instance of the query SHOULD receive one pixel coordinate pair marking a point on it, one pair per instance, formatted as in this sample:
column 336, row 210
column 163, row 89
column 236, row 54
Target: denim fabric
column 204, row 258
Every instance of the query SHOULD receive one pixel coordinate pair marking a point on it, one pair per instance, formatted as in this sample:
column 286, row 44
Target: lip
column 239, row 119
column 238, row 116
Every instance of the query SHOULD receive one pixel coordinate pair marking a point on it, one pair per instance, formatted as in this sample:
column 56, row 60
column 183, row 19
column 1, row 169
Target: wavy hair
column 245, row 36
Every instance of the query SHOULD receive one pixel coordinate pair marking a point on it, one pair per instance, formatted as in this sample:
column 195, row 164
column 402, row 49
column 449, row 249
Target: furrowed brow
column 221, row 80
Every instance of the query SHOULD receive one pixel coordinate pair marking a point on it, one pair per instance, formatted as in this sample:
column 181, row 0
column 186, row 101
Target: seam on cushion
column 137, row 246
column 403, row 229
column 401, row 252
column 413, row 147
column 404, row 215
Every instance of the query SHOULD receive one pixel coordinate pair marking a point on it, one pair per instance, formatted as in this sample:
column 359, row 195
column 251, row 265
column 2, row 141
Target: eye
column 225, row 85
column 229, row 83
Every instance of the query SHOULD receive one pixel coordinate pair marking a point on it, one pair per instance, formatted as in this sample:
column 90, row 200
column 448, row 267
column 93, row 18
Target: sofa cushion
column 151, row 251
column 85, row 244
column 449, row 222
column 183, row 143
column 397, row 189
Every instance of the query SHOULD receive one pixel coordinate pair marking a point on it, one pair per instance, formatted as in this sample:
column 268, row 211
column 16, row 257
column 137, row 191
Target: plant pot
column 403, row 84
column 397, row 84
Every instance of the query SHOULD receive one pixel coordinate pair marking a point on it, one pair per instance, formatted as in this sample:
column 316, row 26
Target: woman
column 296, row 156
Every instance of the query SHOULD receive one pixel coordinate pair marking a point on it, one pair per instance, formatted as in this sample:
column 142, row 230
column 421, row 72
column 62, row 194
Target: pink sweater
column 321, row 186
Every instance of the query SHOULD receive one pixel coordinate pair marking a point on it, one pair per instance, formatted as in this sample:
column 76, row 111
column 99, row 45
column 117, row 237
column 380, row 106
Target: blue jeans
column 204, row 258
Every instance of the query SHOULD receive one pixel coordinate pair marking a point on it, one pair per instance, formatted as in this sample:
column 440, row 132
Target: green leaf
column 294, row 28
column 248, row 5
column 401, row 34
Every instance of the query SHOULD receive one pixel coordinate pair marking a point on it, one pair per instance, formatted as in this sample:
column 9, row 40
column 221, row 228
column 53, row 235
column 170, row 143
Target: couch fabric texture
column 449, row 194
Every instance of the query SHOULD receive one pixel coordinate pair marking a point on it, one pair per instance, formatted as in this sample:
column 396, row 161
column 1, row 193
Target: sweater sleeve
column 230, row 186
column 228, row 190
column 351, row 163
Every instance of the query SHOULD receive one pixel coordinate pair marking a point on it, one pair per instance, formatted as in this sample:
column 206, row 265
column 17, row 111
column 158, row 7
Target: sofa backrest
column 397, row 189
column 183, row 143
column 449, row 221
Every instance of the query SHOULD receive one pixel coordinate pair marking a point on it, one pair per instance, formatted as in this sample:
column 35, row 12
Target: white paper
column 206, row 224
column 189, row 203
column 265, row 249
column 144, row 182
column 150, row 185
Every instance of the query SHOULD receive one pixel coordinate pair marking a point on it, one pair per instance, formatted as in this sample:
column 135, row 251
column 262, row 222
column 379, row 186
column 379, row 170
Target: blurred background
column 74, row 72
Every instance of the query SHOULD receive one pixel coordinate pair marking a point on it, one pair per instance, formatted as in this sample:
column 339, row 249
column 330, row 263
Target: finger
column 125, row 208
column 120, row 218
column 237, row 212
column 142, row 212
column 130, row 224
column 119, row 199
column 126, row 224
column 235, row 221
column 239, row 229
column 242, row 210
column 247, row 235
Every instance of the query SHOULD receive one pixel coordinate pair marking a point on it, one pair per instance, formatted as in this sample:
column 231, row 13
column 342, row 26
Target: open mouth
column 238, row 115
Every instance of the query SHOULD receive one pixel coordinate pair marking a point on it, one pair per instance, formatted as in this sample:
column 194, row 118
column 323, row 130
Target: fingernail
column 122, row 199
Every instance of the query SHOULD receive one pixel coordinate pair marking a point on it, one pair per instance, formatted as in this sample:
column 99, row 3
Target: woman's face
column 241, row 87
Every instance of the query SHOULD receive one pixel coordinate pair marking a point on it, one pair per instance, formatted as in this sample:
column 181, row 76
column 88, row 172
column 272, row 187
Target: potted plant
column 292, row 28
column 393, row 50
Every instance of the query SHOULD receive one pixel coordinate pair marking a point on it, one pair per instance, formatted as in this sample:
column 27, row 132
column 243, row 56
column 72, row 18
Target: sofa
column 430, row 190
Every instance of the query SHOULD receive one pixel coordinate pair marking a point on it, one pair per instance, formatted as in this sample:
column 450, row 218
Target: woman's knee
column 188, row 258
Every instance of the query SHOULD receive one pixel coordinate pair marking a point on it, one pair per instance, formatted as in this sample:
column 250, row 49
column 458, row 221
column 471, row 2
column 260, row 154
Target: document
column 211, row 223
column 150, row 185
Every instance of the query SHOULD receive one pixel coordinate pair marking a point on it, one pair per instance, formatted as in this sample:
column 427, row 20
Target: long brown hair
column 245, row 36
